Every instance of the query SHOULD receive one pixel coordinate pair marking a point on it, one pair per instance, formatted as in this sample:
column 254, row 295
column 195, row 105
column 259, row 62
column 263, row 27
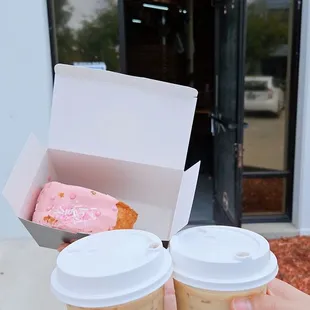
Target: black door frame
column 287, row 174
column 52, row 34
column 240, row 109
column 220, row 215
column 122, row 35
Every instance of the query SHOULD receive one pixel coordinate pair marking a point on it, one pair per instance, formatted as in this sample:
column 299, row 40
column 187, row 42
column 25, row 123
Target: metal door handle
column 225, row 123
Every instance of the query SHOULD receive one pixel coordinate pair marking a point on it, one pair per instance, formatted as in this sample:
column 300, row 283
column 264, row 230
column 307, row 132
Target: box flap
column 49, row 237
column 19, row 189
column 185, row 199
column 121, row 117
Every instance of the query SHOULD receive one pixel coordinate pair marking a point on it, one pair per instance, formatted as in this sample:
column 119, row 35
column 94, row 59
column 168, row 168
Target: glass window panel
column 266, row 98
column 268, row 49
column 174, row 45
column 87, row 32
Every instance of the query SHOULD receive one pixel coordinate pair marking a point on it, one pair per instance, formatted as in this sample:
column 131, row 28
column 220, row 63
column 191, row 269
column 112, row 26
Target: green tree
column 98, row 38
column 64, row 34
column 266, row 31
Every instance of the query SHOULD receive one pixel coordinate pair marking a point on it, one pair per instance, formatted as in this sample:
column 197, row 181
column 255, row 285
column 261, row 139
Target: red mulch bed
column 294, row 261
column 263, row 195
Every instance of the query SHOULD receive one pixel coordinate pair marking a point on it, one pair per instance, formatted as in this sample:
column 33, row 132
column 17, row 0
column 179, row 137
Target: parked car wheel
column 278, row 113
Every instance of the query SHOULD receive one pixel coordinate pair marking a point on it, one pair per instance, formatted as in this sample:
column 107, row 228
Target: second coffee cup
column 214, row 264
column 120, row 269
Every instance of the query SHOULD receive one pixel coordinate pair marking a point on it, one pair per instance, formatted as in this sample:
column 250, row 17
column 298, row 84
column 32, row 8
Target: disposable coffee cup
column 121, row 269
column 215, row 264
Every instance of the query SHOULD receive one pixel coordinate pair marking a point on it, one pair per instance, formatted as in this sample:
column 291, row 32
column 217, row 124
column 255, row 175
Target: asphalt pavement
column 265, row 141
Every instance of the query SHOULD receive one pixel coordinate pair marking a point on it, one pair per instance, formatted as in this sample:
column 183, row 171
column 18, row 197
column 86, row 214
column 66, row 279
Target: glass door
column 270, row 98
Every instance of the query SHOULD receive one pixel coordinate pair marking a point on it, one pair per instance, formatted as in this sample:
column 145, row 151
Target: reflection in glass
column 168, row 40
column 267, row 52
column 172, row 41
column 268, row 49
column 87, row 31
column 156, row 41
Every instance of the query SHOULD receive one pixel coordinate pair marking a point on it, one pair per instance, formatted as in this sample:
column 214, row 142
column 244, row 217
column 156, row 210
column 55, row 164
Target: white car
column 261, row 94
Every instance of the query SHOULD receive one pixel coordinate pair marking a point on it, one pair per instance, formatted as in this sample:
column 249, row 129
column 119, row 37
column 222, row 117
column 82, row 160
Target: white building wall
column 25, row 89
column 301, row 205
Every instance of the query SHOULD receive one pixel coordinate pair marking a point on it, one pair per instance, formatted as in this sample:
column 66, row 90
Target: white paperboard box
column 116, row 134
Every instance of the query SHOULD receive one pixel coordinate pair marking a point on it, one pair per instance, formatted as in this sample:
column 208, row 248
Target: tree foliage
column 95, row 41
column 64, row 34
column 267, row 30
column 98, row 39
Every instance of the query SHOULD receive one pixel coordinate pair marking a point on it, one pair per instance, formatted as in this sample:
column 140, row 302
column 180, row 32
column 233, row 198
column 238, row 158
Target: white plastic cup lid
column 111, row 268
column 222, row 258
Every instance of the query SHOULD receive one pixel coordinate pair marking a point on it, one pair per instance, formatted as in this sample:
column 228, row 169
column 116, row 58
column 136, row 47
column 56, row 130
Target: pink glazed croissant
column 78, row 209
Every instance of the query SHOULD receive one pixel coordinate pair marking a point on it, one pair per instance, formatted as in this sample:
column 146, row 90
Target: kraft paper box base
column 120, row 135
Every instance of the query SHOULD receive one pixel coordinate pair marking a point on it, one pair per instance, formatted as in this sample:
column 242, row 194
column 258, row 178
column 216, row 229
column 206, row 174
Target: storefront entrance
column 200, row 44
column 242, row 56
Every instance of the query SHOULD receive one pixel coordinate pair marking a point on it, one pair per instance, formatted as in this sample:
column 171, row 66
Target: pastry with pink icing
column 78, row 209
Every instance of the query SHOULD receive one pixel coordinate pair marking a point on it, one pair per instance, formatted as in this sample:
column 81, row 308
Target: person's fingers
column 169, row 287
column 170, row 300
column 284, row 290
column 170, row 303
column 266, row 302
column 64, row 245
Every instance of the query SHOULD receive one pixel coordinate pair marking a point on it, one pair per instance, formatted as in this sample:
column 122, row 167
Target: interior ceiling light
column 166, row 1
column 136, row 21
column 156, row 7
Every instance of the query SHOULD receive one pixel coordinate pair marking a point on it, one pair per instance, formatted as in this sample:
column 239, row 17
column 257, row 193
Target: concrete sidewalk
column 24, row 276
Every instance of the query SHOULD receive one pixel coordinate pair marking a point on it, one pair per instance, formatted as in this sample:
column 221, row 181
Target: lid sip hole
column 243, row 255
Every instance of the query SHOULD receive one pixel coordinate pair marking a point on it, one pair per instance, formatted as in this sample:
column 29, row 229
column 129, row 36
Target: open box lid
column 122, row 117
